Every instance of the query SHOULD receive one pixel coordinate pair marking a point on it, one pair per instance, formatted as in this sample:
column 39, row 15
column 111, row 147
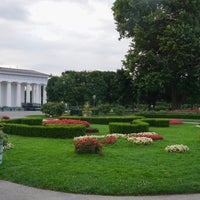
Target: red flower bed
column 5, row 117
column 109, row 140
column 153, row 136
column 175, row 121
column 66, row 121
column 88, row 145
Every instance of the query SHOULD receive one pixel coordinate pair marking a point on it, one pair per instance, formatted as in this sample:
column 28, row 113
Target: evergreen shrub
column 126, row 128
column 53, row 131
column 156, row 122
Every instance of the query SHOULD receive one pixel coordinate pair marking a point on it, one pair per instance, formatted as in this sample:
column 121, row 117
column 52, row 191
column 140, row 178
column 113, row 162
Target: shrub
column 53, row 108
column 28, row 121
column 126, row 128
column 105, row 108
column 92, row 130
column 88, row 145
column 157, row 122
column 53, row 131
column 118, row 109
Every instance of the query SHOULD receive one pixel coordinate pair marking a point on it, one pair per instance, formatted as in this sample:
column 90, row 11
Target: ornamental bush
column 53, row 131
column 126, row 128
column 88, row 145
column 53, row 108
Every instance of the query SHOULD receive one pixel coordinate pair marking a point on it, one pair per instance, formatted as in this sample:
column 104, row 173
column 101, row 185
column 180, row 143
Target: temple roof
column 5, row 70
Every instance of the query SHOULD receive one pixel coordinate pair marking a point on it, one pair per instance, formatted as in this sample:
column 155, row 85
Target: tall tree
column 165, row 48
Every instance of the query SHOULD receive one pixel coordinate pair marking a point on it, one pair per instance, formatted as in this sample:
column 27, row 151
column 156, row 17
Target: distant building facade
column 20, row 88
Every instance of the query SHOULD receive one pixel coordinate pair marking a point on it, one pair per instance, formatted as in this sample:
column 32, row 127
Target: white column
column 33, row 93
column 44, row 94
column 28, row 89
column 19, row 101
column 0, row 96
column 38, row 92
column 8, row 94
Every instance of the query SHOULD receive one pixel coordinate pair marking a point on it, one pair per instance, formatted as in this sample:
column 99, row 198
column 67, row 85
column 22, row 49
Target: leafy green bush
column 53, row 108
column 125, row 128
column 119, row 110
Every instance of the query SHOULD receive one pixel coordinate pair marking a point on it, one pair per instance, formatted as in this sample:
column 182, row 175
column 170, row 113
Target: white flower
column 179, row 148
column 140, row 140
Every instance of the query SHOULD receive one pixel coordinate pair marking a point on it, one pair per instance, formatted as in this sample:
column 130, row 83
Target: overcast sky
column 53, row 36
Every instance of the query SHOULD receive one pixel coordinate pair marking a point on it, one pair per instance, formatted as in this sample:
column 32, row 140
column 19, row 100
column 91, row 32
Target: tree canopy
column 77, row 88
column 164, row 58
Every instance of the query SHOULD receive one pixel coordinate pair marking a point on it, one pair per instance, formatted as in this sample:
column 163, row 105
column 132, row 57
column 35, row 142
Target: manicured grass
column 124, row 169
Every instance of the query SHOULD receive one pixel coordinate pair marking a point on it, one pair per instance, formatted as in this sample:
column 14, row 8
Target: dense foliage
column 164, row 55
column 96, row 87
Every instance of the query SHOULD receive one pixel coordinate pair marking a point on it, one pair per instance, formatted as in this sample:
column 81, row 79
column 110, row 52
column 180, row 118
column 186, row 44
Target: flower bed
column 109, row 140
column 175, row 121
column 152, row 135
column 65, row 121
column 140, row 140
column 177, row 148
column 92, row 144
column 87, row 145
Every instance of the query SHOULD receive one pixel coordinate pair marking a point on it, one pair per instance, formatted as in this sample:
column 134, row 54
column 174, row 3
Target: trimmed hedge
column 28, row 121
column 53, row 131
column 125, row 128
column 103, row 120
column 171, row 115
column 155, row 122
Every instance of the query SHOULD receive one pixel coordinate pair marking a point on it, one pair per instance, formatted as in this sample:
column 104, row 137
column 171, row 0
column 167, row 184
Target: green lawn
column 124, row 169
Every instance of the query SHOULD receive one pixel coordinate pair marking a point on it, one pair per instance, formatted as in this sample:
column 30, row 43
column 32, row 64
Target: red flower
column 175, row 121
column 66, row 121
column 88, row 145
column 153, row 136
column 109, row 140
column 5, row 117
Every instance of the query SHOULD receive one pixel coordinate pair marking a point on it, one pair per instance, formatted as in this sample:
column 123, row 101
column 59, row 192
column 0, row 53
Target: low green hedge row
column 171, row 115
column 126, row 128
column 103, row 120
column 28, row 121
column 154, row 122
column 53, row 131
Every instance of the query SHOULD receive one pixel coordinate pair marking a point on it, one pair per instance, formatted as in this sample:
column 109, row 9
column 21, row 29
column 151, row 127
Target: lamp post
column 94, row 102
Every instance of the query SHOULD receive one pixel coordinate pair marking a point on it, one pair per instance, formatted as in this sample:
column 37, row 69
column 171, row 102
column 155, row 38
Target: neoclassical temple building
column 20, row 88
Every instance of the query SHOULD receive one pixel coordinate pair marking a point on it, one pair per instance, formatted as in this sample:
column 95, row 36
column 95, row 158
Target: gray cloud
column 55, row 46
column 12, row 10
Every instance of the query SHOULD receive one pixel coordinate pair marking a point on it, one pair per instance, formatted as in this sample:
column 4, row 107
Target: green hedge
column 171, row 115
column 155, row 122
column 103, row 120
column 28, row 121
column 125, row 128
column 53, row 131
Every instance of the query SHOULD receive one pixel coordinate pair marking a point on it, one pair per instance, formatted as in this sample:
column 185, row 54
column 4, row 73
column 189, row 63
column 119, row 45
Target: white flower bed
column 177, row 148
column 140, row 140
